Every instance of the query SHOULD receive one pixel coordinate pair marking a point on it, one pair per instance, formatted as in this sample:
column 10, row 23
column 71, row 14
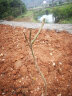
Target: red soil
column 18, row 75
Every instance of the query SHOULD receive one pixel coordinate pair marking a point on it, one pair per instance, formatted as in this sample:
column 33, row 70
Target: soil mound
column 18, row 75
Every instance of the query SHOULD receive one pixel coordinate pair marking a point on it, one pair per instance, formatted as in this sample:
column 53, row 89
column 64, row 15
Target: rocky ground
column 18, row 75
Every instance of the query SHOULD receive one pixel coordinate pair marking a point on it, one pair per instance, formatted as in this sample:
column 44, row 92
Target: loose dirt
column 18, row 75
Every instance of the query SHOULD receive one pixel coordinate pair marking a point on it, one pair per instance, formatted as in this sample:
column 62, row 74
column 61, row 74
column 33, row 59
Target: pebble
column 17, row 45
column 59, row 95
column 51, row 54
column 60, row 69
column 22, row 78
column 11, row 69
column 24, row 30
column 1, row 54
column 26, row 77
column 19, row 75
column 1, row 75
column 49, row 44
column 13, row 91
column 60, row 63
column 23, row 83
column 3, row 93
column 54, row 64
column 20, row 81
column 3, row 48
column 38, row 88
column 68, row 85
column 50, row 82
column 3, row 59
column 9, row 75
column 57, row 79
column 62, row 75
column 42, row 94
column 31, row 91
column 43, row 42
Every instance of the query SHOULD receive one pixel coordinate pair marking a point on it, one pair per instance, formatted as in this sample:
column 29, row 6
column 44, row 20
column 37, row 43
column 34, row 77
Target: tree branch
column 38, row 31
column 35, row 62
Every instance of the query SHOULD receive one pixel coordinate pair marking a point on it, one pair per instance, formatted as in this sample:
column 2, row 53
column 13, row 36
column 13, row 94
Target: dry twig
column 30, row 43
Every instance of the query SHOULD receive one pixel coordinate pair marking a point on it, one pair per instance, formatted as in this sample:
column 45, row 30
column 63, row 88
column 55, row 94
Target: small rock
column 54, row 64
column 24, row 30
column 11, row 69
column 43, row 42
column 51, row 49
column 17, row 45
column 3, row 93
column 57, row 79
column 49, row 82
column 38, row 88
column 1, row 75
column 13, row 91
column 59, row 95
column 3, row 48
column 42, row 94
column 3, row 59
column 20, row 81
column 1, row 54
column 51, row 54
column 60, row 69
column 31, row 91
column 19, row 75
column 22, row 78
column 49, row 44
column 26, row 77
column 23, row 83
column 18, row 64
column 60, row 63
column 68, row 85
column 62, row 75
column 9, row 75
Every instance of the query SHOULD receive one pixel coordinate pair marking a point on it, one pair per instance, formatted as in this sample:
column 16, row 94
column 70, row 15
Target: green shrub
column 62, row 12
column 11, row 8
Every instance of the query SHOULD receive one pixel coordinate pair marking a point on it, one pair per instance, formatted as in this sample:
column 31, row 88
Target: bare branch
column 35, row 62
column 30, row 36
column 26, row 39
column 38, row 31
column 25, row 36
column 38, row 69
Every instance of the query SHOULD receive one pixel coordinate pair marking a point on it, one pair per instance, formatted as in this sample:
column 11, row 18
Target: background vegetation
column 63, row 13
column 16, row 10
column 11, row 8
